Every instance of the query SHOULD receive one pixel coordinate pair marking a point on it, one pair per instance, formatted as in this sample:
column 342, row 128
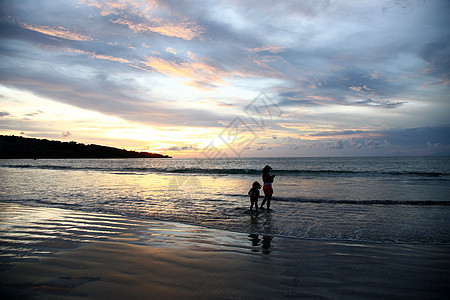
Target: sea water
column 370, row 199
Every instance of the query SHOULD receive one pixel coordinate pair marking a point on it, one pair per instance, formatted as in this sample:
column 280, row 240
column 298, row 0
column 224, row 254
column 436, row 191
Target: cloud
column 218, row 102
column 57, row 31
column 186, row 31
column 361, row 73
column 408, row 136
column 261, row 148
column 419, row 135
column 105, row 95
column 339, row 133
column 99, row 56
column 170, row 50
column 147, row 17
column 301, row 98
column 271, row 49
column 429, row 140
column 379, row 103
column 36, row 113
column 354, row 143
column 360, row 88
column 182, row 148
column 198, row 72
column 339, row 89
column 376, row 144
column 436, row 55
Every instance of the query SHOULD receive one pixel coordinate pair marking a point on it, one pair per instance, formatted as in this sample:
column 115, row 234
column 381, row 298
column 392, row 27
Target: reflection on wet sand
column 50, row 253
column 265, row 242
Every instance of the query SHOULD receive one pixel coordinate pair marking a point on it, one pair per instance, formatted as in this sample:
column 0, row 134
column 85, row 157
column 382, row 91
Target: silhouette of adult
column 267, row 188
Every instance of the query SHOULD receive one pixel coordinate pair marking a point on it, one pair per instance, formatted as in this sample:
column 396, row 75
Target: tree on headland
column 20, row 147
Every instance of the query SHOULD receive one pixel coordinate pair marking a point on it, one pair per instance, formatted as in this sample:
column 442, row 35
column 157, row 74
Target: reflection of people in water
column 268, row 191
column 266, row 240
column 254, row 195
column 256, row 241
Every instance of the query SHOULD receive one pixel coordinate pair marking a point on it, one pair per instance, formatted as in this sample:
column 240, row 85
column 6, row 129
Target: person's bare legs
column 255, row 203
column 264, row 201
column 269, row 197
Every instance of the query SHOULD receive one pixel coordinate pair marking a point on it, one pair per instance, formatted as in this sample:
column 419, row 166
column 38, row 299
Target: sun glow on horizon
column 73, row 123
column 183, row 78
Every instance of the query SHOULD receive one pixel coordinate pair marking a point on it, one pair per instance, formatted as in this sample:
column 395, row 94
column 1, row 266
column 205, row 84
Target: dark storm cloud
column 432, row 140
column 347, row 87
column 419, row 135
column 379, row 103
column 438, row 58
column 343, row 132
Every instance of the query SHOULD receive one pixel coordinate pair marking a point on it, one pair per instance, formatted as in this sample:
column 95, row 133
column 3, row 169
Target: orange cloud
column 201, row 73
column 273, row 49
column 184, row 30
column 440, row 81
column 108, row 7
column 57, row 31
column 100, row 56
column 148, row 12
column 170, row 50
column 444, row 81
column 360, row 89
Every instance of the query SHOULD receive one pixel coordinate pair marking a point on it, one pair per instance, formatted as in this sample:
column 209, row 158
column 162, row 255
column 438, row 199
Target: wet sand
column 51, row 253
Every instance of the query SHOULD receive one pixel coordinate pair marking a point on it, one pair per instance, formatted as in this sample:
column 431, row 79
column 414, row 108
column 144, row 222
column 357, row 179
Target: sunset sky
column 229, row 78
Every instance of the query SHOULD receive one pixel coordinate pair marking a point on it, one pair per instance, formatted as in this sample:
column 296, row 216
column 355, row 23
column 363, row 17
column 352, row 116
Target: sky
column 229, row 78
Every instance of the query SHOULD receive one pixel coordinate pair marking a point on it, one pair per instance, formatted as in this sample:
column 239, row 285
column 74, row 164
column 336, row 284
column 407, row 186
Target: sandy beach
column 52, row 253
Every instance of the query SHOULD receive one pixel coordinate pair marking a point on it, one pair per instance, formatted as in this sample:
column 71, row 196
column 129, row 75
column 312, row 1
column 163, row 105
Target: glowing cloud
column 346, row 75
column 184, row 30
column 170, row 50
column 147, row 17
column 57, row 31
column 199, row 73
column 272, row 49
column 99, row 56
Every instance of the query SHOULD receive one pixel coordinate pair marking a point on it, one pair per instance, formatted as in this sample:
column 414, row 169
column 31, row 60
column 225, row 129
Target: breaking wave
column 210, row 171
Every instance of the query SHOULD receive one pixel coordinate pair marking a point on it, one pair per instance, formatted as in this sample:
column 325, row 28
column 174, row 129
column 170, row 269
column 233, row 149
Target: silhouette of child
column 254, row 195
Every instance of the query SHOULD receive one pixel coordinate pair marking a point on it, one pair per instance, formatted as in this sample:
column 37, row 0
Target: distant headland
column 20, row 147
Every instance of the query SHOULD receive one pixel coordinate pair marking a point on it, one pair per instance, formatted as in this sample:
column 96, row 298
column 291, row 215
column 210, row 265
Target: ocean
column 369, row 199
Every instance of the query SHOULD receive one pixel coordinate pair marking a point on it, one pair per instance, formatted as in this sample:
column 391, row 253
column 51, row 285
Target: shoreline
column 54, row 253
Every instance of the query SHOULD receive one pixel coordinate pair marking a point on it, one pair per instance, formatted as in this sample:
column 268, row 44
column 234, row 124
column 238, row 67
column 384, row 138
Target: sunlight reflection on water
column 313, row 207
